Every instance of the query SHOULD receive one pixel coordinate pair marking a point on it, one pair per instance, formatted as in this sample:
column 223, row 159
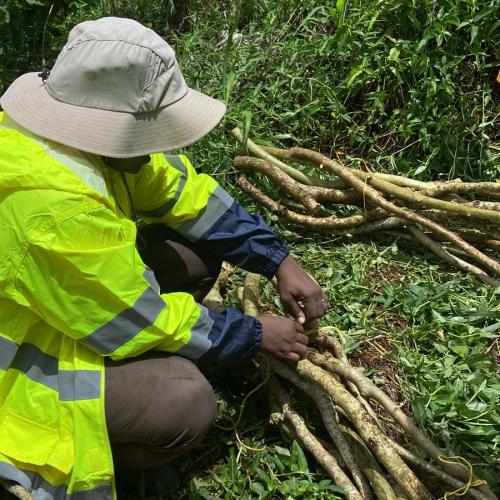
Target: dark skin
column 302, row 297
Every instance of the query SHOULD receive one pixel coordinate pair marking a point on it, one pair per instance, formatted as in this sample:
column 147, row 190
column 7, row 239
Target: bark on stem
column 487, row 205
column 367, row 429
column 310, row 442
column 326, row 410
column 321, row 223
column 292, row 172
column 375, row 197
column 383, row 490
column 295, row 189
column 439, row 188
column 335, row 347
column 352, row 226
column 444, row 254
column 403, row 193
column 368, row 389
column 286, row 154
column 213, row 300
column 481, row 239
column 309, row 196
column 430, row 188
column 16, row 489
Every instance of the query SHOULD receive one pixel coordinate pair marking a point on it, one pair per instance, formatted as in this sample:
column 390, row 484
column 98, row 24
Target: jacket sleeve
column 169, row 190
column 83, row 276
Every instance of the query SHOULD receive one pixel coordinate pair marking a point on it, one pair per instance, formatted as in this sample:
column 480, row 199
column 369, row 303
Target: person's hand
column 300, row 294
column 283, row 338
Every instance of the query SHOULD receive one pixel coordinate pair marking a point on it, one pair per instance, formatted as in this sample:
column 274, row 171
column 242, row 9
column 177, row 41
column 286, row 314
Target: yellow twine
column 471, row 482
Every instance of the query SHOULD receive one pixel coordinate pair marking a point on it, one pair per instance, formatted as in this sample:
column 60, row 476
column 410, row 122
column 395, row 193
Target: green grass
column 436, row 326
column 408, row 87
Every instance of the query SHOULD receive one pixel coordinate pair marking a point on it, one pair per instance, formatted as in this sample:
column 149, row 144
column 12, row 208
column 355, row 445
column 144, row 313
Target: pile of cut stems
column 457, row 221
column 359, row 455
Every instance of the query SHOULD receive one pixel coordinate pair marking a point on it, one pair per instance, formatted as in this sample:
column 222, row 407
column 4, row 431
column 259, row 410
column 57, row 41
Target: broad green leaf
column 393, row 54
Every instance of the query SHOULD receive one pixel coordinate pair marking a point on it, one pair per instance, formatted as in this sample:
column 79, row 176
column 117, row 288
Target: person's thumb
column 294, row 308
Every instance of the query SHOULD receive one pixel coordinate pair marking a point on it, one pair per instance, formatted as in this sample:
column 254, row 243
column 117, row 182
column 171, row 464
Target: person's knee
column 194, row 408
column 198, row 411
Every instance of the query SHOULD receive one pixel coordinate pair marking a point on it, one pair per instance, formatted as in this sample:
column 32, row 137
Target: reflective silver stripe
column 176, row 162
column 77, row 161
column 11, row 473
column 41, row 489
column 47, row 491
column 199, row 342
column 36, row 365
column 150, row 277
column 72, row 385
column 218, row 203
column 8, row 350
column 127, row 324
column 77, row 385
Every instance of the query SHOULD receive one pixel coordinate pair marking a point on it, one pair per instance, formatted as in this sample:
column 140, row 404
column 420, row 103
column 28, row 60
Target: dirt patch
column 375, row 354
column 390, row 273
column 494, row 350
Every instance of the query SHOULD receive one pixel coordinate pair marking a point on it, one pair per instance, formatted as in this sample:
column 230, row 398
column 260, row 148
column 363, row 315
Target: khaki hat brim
column 110, row 133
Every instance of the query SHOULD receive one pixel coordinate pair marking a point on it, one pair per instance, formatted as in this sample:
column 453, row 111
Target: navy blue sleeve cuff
column 234, row 337
column 276, row 257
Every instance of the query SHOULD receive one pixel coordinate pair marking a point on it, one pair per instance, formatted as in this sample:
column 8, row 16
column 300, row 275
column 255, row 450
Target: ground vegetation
column 403, row 87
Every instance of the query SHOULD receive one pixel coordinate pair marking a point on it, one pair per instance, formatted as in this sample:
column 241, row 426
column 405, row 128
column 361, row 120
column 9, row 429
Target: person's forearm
column 246, row 241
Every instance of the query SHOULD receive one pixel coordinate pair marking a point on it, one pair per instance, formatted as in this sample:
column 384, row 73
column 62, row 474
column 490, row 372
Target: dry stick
column 325, row 407
column 16, row 489
column 250, row 302
column 310, row 442
column 285, row 154
column 376, row 198
column 397, row 191
column 367, row 429
column 329, row 222
column 295, row 189
column 442, row 252
column 334, row 346
column 308, row 194
column 370, row 390
column 458, row 187
column 431, row 188
column 383, row 490
column 213, row 300
column 292, row 172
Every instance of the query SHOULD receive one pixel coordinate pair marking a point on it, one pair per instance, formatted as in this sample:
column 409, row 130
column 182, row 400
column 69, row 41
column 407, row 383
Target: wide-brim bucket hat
column 115, row 90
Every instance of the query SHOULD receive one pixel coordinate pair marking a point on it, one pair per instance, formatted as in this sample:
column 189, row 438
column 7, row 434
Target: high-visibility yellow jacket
column 74, row 289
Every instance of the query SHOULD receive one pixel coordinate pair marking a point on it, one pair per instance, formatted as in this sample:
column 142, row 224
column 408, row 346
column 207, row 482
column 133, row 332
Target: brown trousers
column 159, row 406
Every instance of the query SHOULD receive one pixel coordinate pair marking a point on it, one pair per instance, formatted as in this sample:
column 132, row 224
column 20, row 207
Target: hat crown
column 116, row 64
